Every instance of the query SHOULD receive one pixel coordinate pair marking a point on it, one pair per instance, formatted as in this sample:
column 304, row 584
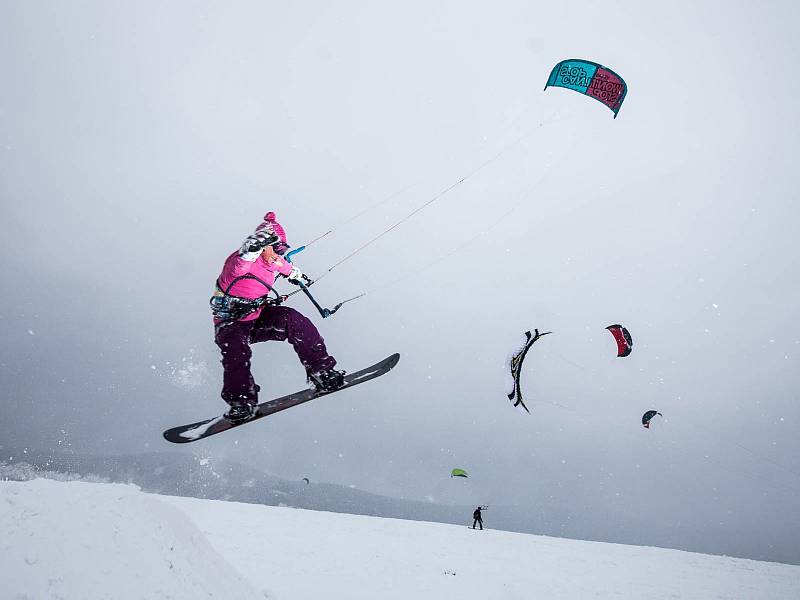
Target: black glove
column 296, row 276
column 256, row 242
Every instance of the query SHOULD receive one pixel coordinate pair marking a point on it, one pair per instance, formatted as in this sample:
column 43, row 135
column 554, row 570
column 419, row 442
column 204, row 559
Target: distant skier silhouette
column 477, row 517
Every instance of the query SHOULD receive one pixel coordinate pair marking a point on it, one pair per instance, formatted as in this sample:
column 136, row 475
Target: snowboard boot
column 240, row 413
column 328, row 380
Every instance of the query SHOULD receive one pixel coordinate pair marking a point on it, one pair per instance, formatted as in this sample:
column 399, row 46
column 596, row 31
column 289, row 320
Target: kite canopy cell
column 590, row 79
column 623, row 339
column 514, row 367
column 458, row 473
column 648, row 416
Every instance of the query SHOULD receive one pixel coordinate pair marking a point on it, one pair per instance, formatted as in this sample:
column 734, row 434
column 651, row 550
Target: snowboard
column 203, row 429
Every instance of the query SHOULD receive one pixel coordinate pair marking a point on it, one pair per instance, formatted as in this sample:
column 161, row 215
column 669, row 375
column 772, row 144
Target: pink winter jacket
column 236, row 266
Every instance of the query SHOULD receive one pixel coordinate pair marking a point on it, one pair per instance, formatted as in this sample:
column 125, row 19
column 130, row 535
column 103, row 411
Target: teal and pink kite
column 586, row 77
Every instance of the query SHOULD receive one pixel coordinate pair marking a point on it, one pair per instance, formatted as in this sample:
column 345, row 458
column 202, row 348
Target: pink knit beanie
column 272, row 226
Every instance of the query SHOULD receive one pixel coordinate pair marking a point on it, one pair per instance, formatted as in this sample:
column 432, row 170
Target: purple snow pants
column 276, row 323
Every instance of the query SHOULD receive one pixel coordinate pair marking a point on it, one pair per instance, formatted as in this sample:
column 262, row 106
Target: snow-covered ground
column 82, row 540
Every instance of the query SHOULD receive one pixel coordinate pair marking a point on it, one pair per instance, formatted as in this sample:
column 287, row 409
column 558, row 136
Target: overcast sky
column 141, row 142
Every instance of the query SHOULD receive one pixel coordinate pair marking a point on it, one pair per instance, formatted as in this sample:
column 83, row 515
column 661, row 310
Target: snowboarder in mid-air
column 245, row 313
column 477, row 518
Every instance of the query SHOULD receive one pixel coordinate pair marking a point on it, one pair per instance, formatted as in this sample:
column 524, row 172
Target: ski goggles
column 280, row 247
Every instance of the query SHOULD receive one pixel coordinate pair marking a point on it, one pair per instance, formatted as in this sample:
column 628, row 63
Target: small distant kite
column 514, row 368
column 306, row 480
column 459, row 473
column 648, row 416
column 623, row 338
column 591, row 79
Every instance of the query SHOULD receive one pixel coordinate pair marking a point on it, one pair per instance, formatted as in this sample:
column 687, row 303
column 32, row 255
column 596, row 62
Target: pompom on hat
column 272, row 226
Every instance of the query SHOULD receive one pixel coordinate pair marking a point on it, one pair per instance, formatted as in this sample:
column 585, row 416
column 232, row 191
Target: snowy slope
column 94, row 540
column 301, row 553
column 77, row 540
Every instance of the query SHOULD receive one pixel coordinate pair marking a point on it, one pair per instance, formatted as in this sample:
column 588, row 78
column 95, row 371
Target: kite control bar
column 324, row 312
column 288, row 256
